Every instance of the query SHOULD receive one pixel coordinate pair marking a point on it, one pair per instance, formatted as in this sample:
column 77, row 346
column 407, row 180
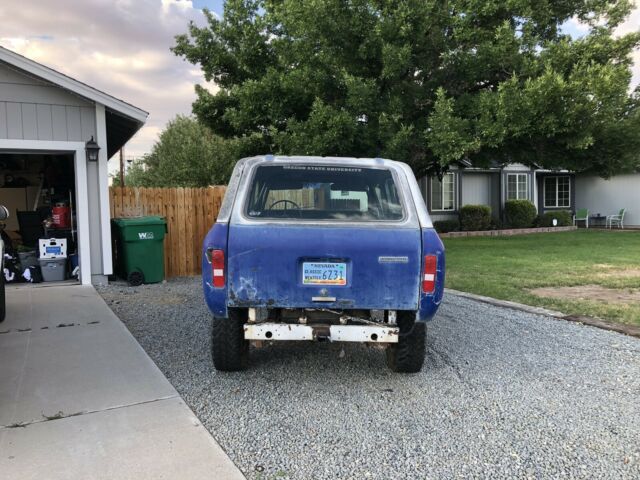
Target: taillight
column 429, row 273
column 217, row 267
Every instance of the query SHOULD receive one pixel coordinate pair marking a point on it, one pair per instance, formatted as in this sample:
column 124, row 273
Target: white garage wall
column 607, row 197
column 31, row 109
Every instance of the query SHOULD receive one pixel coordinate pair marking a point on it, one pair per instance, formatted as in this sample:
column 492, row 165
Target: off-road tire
column 229, row 349
column 3, row 305
column 407, row 356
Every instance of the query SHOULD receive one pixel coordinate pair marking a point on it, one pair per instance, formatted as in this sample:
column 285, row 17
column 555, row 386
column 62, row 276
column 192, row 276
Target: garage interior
column 40, row 235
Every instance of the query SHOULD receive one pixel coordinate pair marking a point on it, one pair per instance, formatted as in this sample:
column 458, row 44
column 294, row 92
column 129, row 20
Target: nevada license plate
column 324, row 273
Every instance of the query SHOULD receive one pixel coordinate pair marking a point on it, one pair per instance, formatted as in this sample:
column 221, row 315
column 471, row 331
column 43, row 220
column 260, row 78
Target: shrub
column 445, row 226
column 475, row 217
column 496, row 224
column 564, row 218
column 520, row 213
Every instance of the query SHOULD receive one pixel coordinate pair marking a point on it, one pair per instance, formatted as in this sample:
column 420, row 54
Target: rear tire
column 407, row 356
column 229, row 349
column 3, row 305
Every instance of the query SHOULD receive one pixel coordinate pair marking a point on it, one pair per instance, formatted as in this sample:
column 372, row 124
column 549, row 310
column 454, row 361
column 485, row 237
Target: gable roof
column 122, row 119
column 63, row 81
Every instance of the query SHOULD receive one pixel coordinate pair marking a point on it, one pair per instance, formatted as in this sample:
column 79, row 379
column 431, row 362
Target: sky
column 122, row 48
column 118, row 46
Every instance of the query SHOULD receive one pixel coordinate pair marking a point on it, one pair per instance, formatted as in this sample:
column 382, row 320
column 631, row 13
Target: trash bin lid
column 139, row 221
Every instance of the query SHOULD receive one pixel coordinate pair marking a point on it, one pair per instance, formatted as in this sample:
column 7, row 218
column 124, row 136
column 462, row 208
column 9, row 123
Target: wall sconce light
column 92, row 149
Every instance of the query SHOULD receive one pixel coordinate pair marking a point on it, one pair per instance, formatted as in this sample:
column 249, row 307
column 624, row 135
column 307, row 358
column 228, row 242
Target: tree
column 187, row 154
column 424, row 81
column 134, row 175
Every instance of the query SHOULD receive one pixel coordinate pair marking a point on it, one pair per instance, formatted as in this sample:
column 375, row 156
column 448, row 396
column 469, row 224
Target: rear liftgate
column 321, row 332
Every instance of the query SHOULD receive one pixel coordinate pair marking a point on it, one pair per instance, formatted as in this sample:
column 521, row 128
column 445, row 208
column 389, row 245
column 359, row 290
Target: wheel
column 135, row 278
column 3, row 306
column 407, row 356
column 229, row 349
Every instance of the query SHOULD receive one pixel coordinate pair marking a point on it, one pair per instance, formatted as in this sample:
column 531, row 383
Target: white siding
column 45, row 121
column 517, row 167
column 29, row 121
column 14, row 120
column 436, row 217
column 59, row 121
column 31, row 109
column 3, row 120
column 607, row 197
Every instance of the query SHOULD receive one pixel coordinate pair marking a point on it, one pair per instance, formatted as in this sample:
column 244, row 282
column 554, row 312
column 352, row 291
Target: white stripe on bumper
column 337, row 333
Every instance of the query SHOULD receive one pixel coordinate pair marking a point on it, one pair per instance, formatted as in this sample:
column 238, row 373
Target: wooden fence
column 190, row 213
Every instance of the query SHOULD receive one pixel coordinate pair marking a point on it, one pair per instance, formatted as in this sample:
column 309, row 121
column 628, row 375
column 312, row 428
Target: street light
column 92, row 149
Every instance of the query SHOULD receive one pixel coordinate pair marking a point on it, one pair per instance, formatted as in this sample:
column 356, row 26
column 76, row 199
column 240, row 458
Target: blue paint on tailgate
column 265, row 264
column 429, row 303
column 216, row 298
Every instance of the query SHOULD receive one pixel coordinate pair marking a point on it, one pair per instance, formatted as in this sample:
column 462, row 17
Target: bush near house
column 563, row 216
column 520, row 213
column 475, row 217
column 446, row 226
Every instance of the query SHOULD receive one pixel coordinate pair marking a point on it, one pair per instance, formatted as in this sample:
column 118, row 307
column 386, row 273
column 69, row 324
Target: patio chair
column 582, row 215
column 617, row 219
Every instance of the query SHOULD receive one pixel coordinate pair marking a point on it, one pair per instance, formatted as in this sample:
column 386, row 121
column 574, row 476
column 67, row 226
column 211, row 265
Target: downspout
column 535, row 191
column 501, row 177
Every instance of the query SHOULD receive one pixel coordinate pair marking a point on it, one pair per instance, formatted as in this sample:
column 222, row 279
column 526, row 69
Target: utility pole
column 122, row 167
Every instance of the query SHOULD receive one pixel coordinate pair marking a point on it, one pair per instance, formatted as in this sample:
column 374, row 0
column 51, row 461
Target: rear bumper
column 333, row 333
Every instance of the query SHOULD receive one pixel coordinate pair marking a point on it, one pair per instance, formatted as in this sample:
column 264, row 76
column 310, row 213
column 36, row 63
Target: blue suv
column 322, row 249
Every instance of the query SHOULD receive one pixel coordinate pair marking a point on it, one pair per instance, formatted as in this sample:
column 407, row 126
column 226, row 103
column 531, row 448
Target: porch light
column 92, row 149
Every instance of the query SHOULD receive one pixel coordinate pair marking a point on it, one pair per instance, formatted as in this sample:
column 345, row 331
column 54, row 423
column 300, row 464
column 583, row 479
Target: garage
column 56, row 136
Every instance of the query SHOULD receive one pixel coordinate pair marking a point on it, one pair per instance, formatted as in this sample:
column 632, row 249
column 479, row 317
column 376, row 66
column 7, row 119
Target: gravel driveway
column 503, row 394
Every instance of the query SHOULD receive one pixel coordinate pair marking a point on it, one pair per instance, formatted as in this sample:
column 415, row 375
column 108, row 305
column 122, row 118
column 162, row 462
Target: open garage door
column 41, row 233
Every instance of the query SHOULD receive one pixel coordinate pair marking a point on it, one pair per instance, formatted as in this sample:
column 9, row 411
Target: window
column 557, row 192
column 324, row 192
column 443, row 194
column 517, row 186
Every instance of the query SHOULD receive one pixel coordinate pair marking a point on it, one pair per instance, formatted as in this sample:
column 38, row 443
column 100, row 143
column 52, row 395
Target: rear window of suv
column 324, row 192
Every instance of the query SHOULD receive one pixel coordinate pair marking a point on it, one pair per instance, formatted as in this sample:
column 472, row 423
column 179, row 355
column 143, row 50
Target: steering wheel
column 295, row 205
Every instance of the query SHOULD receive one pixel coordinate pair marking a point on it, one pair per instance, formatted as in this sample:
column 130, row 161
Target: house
column 49, row 123
column 548, row 190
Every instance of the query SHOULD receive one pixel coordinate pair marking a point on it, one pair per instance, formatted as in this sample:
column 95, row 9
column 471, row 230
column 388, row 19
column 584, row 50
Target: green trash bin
column 139, row 248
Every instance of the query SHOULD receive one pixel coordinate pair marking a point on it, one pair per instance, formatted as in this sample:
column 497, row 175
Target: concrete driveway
column 79, row 398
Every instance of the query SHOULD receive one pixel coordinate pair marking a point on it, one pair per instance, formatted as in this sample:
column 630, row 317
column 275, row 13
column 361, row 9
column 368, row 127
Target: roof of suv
column 315, row 159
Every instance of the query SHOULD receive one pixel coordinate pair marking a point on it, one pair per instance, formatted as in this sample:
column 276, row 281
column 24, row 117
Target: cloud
column 118, row 46
column 577, row 29
column 632, row 24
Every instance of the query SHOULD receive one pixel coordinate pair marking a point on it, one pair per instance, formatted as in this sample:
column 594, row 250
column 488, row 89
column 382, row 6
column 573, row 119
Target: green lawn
column 508, row 267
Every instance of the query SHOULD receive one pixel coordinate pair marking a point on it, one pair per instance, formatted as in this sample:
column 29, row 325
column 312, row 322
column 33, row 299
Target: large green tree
column 429, row 82
column 187, row 154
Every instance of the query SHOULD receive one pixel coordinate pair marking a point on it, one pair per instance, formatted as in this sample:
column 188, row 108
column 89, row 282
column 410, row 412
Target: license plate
column 324, row 273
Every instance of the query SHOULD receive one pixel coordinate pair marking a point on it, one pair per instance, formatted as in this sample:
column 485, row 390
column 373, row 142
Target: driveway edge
column 629, row 330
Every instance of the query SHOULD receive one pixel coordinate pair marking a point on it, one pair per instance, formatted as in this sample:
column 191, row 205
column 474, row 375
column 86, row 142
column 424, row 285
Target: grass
column 509, row 267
